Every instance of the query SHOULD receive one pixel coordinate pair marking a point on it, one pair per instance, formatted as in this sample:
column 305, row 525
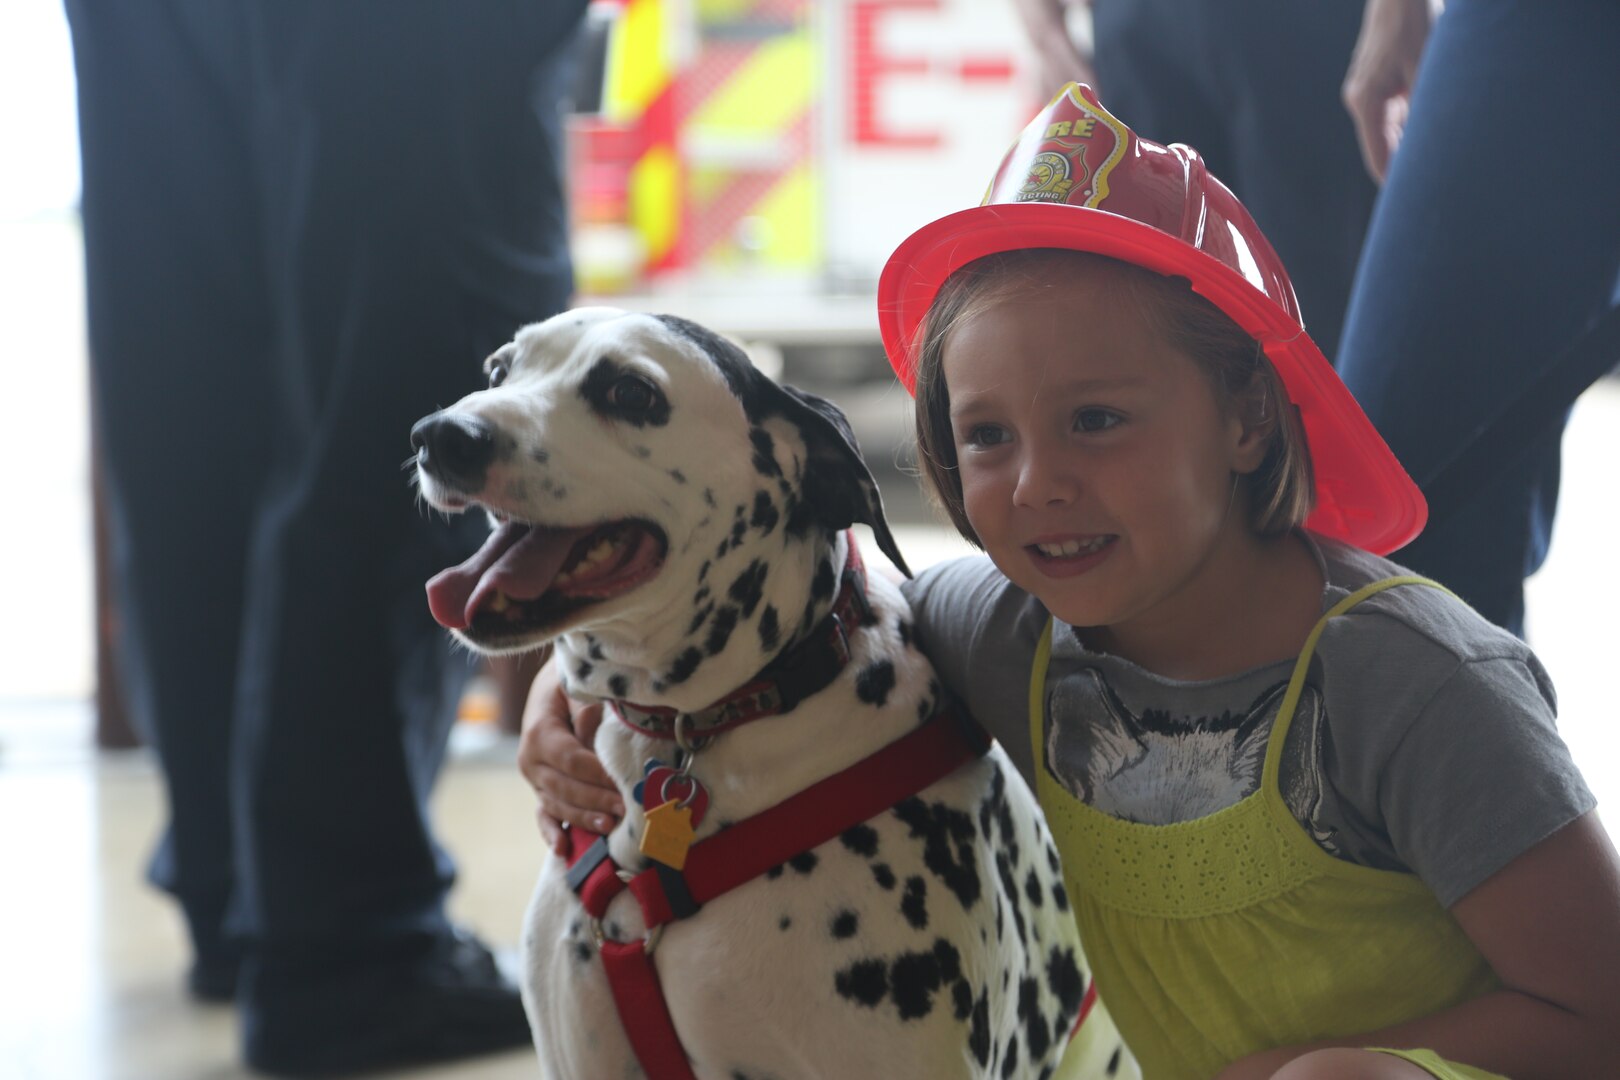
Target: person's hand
column 1058, row 58
column 1383, row 69
column 555, row 756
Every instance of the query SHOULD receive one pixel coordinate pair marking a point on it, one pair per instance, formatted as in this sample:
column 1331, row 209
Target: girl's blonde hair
column 1280, row 493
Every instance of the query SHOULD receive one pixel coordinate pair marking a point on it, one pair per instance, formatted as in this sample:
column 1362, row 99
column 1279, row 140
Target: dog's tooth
column 500, row 603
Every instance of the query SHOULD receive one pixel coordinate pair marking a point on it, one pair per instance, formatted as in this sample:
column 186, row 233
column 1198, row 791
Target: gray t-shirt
column 1425, row 740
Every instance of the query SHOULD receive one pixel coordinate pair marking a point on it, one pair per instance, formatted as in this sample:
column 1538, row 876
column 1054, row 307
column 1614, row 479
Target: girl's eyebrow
column 973, row 403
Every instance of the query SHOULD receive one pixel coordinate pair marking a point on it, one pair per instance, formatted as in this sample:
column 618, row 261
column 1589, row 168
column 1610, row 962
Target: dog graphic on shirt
column 1155, row 768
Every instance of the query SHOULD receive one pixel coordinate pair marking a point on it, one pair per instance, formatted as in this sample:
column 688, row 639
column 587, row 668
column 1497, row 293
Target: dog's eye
column 632, row 393
column 497, row 375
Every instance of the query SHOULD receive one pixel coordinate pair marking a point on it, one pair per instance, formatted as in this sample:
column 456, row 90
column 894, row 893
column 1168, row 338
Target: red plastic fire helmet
column 1078, row 178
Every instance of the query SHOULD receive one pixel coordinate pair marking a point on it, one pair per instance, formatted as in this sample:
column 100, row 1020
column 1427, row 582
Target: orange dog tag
column 669, row 834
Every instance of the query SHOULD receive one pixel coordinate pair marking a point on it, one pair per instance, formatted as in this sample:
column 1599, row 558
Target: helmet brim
column 1363, row 495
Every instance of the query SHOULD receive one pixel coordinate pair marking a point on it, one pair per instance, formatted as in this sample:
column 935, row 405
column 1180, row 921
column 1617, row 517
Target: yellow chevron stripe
column 638, row 60
column 654, row 192
column 770, row 90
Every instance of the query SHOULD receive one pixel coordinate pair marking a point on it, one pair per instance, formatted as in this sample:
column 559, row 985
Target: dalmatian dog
column 674, row 521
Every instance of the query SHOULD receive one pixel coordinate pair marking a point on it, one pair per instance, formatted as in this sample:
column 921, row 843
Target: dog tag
column 663, row 784
column 669, row 834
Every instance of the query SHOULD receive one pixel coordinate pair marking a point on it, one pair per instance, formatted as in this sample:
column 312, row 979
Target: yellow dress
column 1218, row 937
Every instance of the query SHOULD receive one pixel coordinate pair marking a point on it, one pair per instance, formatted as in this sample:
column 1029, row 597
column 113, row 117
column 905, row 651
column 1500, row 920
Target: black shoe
column 454, row 1002
column 212, row 978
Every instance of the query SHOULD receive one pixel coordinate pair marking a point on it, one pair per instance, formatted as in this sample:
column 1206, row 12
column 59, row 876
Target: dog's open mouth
column 530, row 577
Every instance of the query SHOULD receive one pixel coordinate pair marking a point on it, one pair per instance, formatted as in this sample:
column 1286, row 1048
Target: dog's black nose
column 454, row 450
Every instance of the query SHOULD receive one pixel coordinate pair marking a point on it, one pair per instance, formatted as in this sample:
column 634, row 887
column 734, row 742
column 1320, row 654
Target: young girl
column 1308, row 805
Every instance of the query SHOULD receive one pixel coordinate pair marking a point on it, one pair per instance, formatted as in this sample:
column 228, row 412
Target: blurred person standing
column 305, row 222
column 1254, row 85
column 1494, row 246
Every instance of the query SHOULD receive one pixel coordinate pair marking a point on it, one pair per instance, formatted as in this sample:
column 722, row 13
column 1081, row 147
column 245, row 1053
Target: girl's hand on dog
column 555, row 756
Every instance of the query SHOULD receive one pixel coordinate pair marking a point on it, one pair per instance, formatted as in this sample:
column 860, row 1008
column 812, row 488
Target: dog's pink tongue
column 519, row 560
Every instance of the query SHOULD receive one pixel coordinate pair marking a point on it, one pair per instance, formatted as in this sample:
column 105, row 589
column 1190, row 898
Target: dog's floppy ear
column 837, row 484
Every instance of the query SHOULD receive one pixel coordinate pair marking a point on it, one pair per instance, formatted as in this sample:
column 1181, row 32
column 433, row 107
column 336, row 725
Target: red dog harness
column 743, row 851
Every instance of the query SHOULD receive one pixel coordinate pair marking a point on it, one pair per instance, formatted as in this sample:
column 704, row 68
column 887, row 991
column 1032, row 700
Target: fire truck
column 751, row 163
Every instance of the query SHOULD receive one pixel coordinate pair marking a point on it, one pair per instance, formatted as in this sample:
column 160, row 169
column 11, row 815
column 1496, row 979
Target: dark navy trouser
column 1253, row 86
column 305, row 225
column 1495, row 243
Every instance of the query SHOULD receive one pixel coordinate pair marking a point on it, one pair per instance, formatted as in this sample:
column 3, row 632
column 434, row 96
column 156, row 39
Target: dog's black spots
column 925, row 709
column 1037, row 1033
column 698, row 597
column 874, row 682
column 883, row 875
column 725, row 546
column 950, row 961
column 1006, row 979
column 861, row 839
column 703, row 571
column 1009, row 1058
column 1046, row 1072
column 1060, row 896
column 749, row 587
column 764, row 452
column 845, row 924
column 725, row 621
column 821, row 586
column 699, row 617
column 915, row 977
column 583, row 671
column 979, row 1029
column 540, row 454
column 615, row 392
column 914, row 903
column 984, row 935
column 739, row 529
column 801, row 517
column 643, row 452
column 808, row 619
column 1113, row 1063
column 784, row 923
column 1033, row 890
column 619, row 686
column 1008, row 886
column 593, row 649
column 914, row 981
column 962, row 996
column 765, row 518
column 684, row 665
column 774, row 872
column 948, row 837
column 804, row 862
column 1066, row 981
column 1052, row 861
column 904, row 628
column 677, row 476
column 1001, row 921
column 770, row 632
column 582, row 952
column 708, row 499
column 865, row 982
column 613, row 931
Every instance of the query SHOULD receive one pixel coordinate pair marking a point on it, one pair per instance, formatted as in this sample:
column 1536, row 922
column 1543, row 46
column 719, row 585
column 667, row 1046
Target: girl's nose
column 1045, row 479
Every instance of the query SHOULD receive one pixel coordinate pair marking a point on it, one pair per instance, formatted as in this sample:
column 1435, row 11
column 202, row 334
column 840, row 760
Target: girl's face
column 1097, row 464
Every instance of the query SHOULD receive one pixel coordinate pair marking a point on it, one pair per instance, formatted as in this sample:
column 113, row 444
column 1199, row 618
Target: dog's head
column 640, row 471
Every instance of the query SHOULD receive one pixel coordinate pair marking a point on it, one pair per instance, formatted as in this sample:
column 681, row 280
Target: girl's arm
column 555, row 756
column 1549, row 925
